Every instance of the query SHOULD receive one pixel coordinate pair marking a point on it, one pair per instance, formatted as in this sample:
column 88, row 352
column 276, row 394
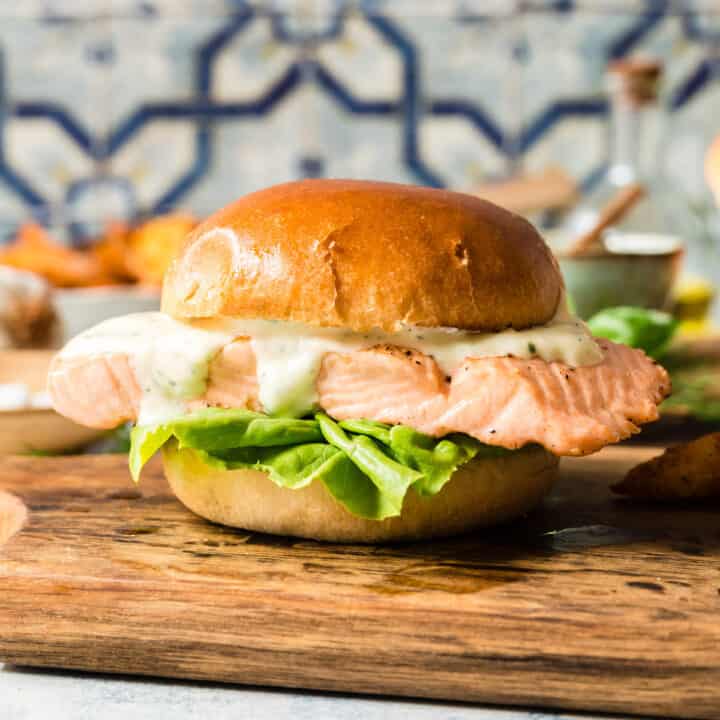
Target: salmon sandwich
column 359, row 361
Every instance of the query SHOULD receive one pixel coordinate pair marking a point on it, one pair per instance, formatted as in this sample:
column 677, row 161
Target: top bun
column 365, row 255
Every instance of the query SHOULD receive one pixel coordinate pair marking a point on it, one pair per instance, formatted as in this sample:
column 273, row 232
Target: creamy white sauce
column 289, row 355
column 171, row 358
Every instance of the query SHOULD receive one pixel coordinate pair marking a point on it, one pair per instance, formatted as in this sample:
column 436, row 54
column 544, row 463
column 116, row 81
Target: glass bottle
column 634, row 260
column 634, row 127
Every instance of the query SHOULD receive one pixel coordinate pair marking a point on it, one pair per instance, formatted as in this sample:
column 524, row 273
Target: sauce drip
column 171, row 358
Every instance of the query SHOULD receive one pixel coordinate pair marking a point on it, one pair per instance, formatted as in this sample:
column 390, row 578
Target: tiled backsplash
column 134, row 106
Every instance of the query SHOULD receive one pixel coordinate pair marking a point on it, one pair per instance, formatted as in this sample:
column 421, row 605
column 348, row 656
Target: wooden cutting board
column 591, row 603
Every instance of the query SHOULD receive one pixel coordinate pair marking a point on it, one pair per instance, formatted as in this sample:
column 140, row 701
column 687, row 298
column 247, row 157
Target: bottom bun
column 483, row 492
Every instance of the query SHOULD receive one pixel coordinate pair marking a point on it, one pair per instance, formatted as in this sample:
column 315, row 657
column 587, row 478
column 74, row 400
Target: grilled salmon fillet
column 502, row 401
column 99, row 391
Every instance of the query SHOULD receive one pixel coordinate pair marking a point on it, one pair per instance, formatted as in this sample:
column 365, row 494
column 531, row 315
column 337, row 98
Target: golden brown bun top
column 361, row 255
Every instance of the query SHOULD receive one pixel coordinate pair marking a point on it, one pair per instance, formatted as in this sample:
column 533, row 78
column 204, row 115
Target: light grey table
column 42, row 695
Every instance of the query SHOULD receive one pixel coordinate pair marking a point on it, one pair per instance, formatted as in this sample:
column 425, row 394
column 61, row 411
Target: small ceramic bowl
column 637, row 269
column 80, row 309
column 35, row 427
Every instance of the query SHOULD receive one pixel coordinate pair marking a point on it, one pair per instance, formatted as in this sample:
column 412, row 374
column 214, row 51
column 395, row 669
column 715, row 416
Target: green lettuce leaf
column 391, row 478
column 297, row 466
column 213, row 429
column 292, row 466
column 371, row 428
column 145, row 441
column 435, row 459
column 217, row 429
column 366, row 466
column 649, row 330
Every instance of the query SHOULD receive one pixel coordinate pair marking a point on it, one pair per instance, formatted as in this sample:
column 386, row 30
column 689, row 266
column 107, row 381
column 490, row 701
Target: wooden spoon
column 612, row 213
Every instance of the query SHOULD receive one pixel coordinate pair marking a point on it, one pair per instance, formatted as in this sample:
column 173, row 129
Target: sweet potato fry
column 685, row 472
column 111, row 251
column 34, row 250
column 153, row 245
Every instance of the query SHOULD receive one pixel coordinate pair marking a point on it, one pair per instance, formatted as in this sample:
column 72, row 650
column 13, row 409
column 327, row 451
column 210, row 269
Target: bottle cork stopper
column 635, row 80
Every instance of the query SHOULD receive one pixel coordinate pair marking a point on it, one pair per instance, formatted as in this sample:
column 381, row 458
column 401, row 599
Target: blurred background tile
column 123, row 109
column 188, row 103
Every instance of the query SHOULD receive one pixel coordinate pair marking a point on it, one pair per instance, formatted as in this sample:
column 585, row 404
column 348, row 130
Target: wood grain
column 592, row 603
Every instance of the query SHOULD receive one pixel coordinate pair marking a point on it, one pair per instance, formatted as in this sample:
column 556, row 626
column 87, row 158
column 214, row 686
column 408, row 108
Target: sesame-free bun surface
column 365, row 255
column 485, row 491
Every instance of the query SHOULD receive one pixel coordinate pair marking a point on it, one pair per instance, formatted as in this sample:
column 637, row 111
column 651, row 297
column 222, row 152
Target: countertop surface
column 33, row 694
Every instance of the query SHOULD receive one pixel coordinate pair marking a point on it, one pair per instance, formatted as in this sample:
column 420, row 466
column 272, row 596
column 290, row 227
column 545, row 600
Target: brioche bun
column 485, row 491
column 363, row 255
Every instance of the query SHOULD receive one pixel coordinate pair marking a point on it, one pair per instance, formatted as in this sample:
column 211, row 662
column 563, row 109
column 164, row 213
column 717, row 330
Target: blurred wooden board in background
column 591, row 603
column 30, row 429
column 549, row 189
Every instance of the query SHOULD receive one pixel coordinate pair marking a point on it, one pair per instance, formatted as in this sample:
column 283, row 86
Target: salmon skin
column 503, row 401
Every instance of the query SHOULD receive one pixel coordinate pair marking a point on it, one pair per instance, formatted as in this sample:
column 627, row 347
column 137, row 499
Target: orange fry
column 154, row 244
column 34, row 250
column 112, row 249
